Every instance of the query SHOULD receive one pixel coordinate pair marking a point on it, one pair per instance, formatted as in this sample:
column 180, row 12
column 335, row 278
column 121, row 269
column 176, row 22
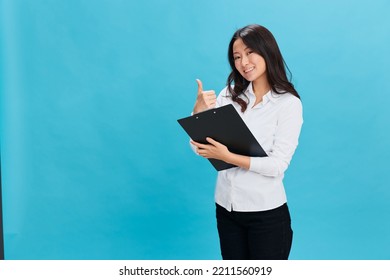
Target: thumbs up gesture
column 205, row 99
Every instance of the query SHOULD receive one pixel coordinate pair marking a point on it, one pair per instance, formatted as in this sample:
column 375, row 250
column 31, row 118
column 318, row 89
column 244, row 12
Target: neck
column 260, row 88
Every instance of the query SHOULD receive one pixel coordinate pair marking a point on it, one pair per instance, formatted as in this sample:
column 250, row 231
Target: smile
column 249, row 69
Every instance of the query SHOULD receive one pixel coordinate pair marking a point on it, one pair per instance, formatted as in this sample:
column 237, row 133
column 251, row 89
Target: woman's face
column 248, row 63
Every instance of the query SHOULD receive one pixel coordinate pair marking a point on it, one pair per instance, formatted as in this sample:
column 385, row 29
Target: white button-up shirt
column 276, row 124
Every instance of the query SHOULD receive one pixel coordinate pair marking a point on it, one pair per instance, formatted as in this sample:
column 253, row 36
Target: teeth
column 248, row 70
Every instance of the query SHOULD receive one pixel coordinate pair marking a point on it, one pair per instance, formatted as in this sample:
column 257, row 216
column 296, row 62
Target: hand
column 205, row 99
column 213, row 150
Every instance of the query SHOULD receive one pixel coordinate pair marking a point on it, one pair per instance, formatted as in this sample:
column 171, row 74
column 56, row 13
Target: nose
column 244, row 60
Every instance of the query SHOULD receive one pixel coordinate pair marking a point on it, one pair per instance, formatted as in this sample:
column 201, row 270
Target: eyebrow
column 244, row 50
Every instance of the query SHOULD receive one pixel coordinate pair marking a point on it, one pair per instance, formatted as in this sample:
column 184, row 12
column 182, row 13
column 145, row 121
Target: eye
column 236, row 57
column 249, row 52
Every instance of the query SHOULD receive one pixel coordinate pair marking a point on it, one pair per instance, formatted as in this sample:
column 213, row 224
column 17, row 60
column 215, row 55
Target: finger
column 209, row 94
column 212, row 141
column 209, row 98
column 200, row 86
column 203, row 146
column 199, row 145
column 203, row 153
column 210, row 106
column 195, row 143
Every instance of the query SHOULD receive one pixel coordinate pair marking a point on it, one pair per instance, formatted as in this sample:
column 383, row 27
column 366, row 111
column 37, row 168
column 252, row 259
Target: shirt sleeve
column 285, row 142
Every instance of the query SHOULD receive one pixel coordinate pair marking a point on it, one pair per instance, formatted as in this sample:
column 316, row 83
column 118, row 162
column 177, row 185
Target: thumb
column 200, row 86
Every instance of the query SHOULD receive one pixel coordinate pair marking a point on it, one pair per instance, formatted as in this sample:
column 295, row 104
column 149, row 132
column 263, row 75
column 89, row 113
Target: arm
column 285, row 142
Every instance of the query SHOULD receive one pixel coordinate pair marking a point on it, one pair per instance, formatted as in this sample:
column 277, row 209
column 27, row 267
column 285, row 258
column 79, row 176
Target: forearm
column 238, row 160
column 268, row 166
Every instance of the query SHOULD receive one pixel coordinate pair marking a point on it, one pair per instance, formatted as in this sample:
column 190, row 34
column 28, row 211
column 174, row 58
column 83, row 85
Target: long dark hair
column 261, row 41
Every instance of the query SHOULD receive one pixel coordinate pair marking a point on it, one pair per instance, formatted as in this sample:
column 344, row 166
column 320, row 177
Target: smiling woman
column 253, row 218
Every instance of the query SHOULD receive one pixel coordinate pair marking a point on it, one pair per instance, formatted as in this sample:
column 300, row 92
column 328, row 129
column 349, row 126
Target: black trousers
column 263, row 235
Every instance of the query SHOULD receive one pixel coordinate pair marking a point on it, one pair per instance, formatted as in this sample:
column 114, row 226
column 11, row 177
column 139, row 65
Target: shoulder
column 224, row 93
column 224, row 97
column 286, row 99
column 288, row 105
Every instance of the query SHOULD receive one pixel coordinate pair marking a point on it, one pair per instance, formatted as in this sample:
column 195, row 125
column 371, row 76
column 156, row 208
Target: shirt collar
column 269, row 96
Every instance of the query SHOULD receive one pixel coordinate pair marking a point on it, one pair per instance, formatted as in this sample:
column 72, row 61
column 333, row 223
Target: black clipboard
column 224, row 125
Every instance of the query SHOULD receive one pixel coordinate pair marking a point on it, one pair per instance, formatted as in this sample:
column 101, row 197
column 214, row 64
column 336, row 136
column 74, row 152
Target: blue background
column 95, row 165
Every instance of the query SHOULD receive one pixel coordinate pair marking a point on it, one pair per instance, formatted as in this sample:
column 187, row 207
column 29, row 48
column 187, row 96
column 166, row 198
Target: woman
column 253, row 218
